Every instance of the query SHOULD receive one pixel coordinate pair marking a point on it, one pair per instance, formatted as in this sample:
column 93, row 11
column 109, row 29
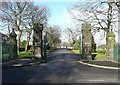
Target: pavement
column 62, row 67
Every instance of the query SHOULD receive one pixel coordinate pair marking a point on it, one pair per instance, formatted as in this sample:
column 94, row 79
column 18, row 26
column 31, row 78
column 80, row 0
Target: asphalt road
column 62, row 68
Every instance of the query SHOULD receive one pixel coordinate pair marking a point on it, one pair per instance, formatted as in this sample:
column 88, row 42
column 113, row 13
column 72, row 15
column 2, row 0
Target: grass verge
column 100, row 54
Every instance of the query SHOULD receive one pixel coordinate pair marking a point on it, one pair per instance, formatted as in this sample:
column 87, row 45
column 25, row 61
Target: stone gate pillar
column 13, row 45
column 37, row 40
column 86, row 41
column 110, row 45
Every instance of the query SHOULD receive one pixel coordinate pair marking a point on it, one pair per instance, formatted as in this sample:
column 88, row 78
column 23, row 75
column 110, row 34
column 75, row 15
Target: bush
column 25, row 55
column 5, row 57
column 6, row 47
column 76, row 46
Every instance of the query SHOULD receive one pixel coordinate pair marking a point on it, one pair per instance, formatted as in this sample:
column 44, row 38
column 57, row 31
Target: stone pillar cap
column 111, row 34
column 86, row 26
column 13, row 34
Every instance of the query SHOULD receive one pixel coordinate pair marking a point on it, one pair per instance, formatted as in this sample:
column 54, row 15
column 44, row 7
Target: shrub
column 25, row 55
column 76, row 46
column 5, row 57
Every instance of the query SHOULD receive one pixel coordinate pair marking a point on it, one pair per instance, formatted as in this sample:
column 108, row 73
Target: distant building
column 3, row 37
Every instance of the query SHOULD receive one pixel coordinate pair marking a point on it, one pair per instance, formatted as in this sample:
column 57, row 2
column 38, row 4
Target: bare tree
column 37, row 15
column 22, row 16
column 101, row 15
column 73, row 34
column 13, row 13
column 53, row 36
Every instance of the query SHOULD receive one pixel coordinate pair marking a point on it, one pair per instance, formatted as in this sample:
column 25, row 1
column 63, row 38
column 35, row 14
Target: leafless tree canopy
column 53, row 36
column 102, row 15
column 22, row 16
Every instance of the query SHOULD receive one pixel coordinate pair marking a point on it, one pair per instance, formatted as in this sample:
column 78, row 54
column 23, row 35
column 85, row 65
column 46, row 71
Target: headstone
column 110, row 45
column 86, row 41
column 37, row 41
column 13, row 42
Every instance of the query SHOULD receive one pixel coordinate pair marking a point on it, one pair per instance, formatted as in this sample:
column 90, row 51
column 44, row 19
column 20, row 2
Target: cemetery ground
column 62, row 67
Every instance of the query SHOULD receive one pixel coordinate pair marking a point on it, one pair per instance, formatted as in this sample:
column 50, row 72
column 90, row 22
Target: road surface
column 62, row 68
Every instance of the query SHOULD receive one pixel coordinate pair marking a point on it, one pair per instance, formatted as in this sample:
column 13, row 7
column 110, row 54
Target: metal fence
column 117, row 52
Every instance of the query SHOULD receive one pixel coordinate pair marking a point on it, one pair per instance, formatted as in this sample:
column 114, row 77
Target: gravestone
column 37, row 40
column 13, row 45
column 86, row 41
column 110, row 45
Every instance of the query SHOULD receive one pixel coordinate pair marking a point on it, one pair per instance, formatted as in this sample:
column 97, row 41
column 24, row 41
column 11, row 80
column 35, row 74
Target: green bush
column 5, row 57
column 76, row 46
column 6, row 47
column 25, row 55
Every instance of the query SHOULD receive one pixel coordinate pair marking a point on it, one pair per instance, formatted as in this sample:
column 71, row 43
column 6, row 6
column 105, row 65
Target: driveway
column 63, row 67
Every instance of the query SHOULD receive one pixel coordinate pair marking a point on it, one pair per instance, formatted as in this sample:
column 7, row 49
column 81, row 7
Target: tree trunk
column 26, row 46
column 8, row 28
column 19, row 39
column 109, row 16
column 27, row 42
